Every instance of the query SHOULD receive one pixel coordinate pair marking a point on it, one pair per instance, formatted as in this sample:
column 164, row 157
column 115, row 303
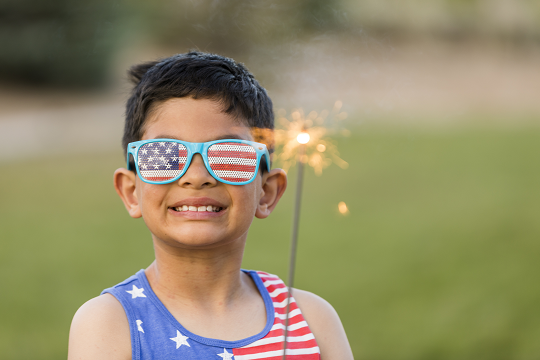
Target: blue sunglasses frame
column 197, row 148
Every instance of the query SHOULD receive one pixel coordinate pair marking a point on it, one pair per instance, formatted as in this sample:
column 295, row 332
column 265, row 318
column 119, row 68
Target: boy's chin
column 198, row 240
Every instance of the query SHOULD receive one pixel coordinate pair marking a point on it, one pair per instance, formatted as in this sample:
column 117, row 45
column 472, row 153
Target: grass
column 438, row 258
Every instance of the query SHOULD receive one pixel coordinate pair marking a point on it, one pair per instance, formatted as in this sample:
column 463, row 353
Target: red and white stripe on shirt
column 301, row 344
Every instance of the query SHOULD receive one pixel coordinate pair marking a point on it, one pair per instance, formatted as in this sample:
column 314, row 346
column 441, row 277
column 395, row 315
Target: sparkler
column 301, row 140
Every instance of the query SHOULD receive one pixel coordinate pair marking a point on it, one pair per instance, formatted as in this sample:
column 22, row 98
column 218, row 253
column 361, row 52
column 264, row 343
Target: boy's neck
column 199, row 277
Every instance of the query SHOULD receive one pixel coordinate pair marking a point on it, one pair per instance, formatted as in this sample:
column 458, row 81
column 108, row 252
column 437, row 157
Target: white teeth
column 208, row 208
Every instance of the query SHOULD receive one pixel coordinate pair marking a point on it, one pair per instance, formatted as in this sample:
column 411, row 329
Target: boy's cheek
column 145, row 196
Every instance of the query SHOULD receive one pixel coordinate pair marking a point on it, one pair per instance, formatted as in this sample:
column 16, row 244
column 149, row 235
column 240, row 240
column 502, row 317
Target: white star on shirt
column 144, row 151
column 180, row 339
column 226, row 355
column 139, row 327
column 136, row 292
column 168, row 151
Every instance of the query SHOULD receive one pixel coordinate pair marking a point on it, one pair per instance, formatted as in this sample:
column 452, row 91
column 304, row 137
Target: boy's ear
column 124, row 184
column 274, row 184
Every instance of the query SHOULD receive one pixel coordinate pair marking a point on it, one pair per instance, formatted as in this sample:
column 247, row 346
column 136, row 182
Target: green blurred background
column 437, row 258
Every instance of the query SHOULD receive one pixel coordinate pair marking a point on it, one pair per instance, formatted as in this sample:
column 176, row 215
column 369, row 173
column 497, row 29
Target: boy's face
column 197, row 121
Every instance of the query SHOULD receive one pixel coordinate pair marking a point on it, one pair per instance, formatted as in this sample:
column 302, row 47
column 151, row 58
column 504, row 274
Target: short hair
column 198, row 75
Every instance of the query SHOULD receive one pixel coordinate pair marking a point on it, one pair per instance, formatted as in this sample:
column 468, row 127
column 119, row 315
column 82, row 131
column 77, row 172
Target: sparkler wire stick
column 294, row 240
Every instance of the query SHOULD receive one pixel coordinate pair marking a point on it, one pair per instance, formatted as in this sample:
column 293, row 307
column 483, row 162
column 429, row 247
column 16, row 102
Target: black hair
column 200, row 76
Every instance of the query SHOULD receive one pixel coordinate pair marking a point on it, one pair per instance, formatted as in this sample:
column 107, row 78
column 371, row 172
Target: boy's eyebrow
column 166, row 137
column 227, row 136
column 231, row 136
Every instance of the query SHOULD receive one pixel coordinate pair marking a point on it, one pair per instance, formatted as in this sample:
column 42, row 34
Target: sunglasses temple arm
column 127, row 159
column 267, row 159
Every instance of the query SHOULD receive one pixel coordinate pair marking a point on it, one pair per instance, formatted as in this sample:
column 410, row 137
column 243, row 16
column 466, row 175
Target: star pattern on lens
column 160, row 155
column 161, row 160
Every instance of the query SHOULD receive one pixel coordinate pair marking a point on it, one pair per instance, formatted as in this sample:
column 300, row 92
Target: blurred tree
column 321, row 15
column 232, row 25
column 71, row 42
column 515, row 20
column 57, row 42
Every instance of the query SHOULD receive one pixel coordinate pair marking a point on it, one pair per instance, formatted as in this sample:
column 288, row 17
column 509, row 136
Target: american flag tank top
column 156, row 334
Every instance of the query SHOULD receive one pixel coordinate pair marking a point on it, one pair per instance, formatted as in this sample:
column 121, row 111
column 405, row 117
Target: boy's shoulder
column 314, row 308
column 100, row 330
column 325, row 324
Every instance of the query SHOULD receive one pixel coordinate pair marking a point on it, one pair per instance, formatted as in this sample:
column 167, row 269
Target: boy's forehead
column 194, row 120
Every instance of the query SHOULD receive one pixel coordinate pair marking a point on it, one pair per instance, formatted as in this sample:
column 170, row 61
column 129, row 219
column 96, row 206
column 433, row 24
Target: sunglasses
column 231, row 161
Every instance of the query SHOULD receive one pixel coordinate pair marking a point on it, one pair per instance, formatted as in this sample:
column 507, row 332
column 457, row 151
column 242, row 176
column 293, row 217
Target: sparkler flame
column 310, row 132
column 303, row 138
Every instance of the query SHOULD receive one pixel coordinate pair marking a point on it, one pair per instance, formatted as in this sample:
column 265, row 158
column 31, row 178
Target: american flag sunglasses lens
column 232, row 161
column 161, row 160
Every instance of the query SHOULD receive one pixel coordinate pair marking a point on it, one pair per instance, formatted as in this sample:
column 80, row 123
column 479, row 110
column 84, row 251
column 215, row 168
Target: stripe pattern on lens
column 231, row 161
column 161, row 160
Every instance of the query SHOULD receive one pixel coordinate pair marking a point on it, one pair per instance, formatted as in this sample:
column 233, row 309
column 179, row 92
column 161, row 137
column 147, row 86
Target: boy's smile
column 197, row 210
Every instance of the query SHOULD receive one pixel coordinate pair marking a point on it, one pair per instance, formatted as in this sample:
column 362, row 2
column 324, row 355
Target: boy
column 197, row 177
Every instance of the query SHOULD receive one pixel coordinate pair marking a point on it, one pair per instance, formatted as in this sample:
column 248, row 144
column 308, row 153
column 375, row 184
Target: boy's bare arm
column 325, row 325
column 100, row 330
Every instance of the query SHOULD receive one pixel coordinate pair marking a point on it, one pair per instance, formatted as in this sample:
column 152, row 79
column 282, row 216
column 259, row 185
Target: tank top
column 156, row 334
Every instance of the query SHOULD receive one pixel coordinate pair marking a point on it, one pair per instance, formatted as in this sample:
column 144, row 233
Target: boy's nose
column 196, row 175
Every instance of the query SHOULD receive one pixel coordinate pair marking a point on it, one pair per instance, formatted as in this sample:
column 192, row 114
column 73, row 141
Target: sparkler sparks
column 309, row 131
column 342, row 207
